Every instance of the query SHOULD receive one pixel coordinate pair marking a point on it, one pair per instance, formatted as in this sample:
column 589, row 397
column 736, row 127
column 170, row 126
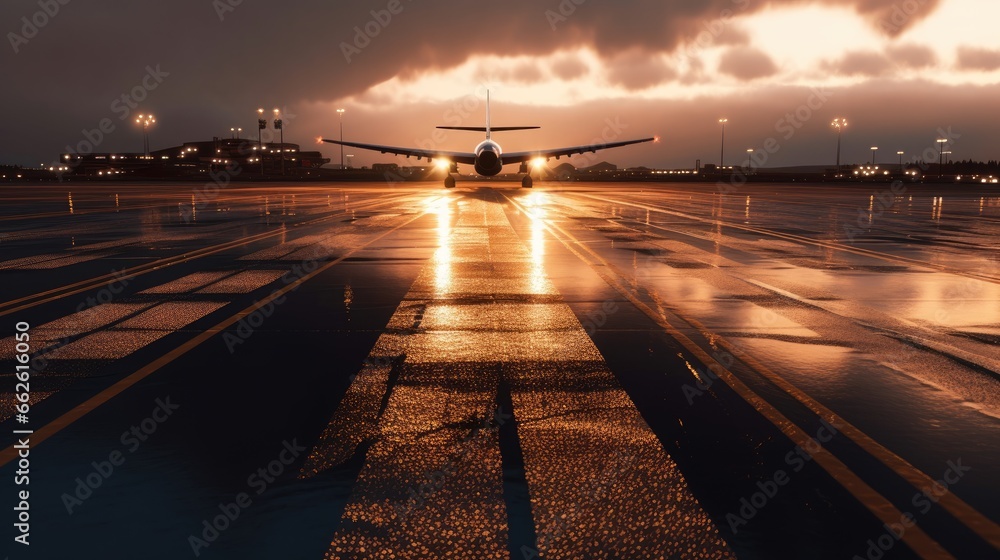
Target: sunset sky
column 898, row 70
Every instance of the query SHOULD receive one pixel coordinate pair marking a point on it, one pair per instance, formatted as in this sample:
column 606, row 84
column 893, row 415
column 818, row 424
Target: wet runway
column 579, row 370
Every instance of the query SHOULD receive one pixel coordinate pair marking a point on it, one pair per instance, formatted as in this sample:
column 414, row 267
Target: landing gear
column 527, row 183
column 449, row 182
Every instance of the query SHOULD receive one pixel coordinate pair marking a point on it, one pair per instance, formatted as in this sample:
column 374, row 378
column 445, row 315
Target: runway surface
column 579, row 370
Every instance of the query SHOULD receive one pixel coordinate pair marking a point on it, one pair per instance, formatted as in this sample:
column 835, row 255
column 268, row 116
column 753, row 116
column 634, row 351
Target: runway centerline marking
column 482, row 312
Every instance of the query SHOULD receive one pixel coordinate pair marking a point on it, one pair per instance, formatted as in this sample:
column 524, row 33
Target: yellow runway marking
column 915, row 538
column 972, row 518
column 81, row 410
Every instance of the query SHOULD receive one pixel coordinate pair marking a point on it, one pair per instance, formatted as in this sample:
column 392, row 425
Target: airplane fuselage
column 488, row 158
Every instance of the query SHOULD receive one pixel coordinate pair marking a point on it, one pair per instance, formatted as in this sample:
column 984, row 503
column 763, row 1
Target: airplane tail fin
column 488, row 129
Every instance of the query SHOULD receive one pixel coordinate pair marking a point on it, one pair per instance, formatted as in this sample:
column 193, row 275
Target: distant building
column 198, row 157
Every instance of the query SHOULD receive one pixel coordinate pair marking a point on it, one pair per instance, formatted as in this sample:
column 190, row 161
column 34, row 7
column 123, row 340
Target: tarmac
column 578, row 370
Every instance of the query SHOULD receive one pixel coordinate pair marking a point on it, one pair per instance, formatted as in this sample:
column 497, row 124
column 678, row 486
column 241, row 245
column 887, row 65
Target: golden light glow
column 536, row 206
column 441, row 206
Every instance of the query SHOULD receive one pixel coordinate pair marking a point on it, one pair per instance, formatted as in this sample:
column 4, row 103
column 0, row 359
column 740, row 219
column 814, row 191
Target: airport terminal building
column 198, row 158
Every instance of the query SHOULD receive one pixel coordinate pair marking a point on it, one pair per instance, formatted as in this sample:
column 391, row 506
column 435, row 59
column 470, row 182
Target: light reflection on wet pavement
column 496, row 372
column 482, row 313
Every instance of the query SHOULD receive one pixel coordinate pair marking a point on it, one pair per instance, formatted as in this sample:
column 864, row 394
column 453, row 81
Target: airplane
column 488, row 158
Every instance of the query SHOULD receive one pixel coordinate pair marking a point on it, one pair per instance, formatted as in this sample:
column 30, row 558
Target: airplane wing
column 518, row 157
column 456, row 157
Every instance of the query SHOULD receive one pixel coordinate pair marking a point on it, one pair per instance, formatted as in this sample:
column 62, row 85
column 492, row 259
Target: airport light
column 722, row 150
column 278, row 127
column 235, row 131
column 749, row 160
column 840, row 124
column 341, row 113
column 900, row 154
column 350, row 158
column 941, row 141
column 145, row 121
column 261, row 125
column 874, row 149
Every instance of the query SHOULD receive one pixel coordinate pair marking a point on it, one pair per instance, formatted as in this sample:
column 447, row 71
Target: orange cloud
column 747, row 64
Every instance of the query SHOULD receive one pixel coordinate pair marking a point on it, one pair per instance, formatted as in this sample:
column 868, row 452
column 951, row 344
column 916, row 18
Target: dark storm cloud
column 864, row 63
column 747, row 63
column 911, row 56
column 227, row 57
column 733, row 35
column 972, row 58
column 520, row 73
column 895, row 115
column 569, row 67
column 636, row 71
column 314, row 49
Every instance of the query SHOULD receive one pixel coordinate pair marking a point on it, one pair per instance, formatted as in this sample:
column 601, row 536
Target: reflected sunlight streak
column 441, row 206
column 535, row 203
